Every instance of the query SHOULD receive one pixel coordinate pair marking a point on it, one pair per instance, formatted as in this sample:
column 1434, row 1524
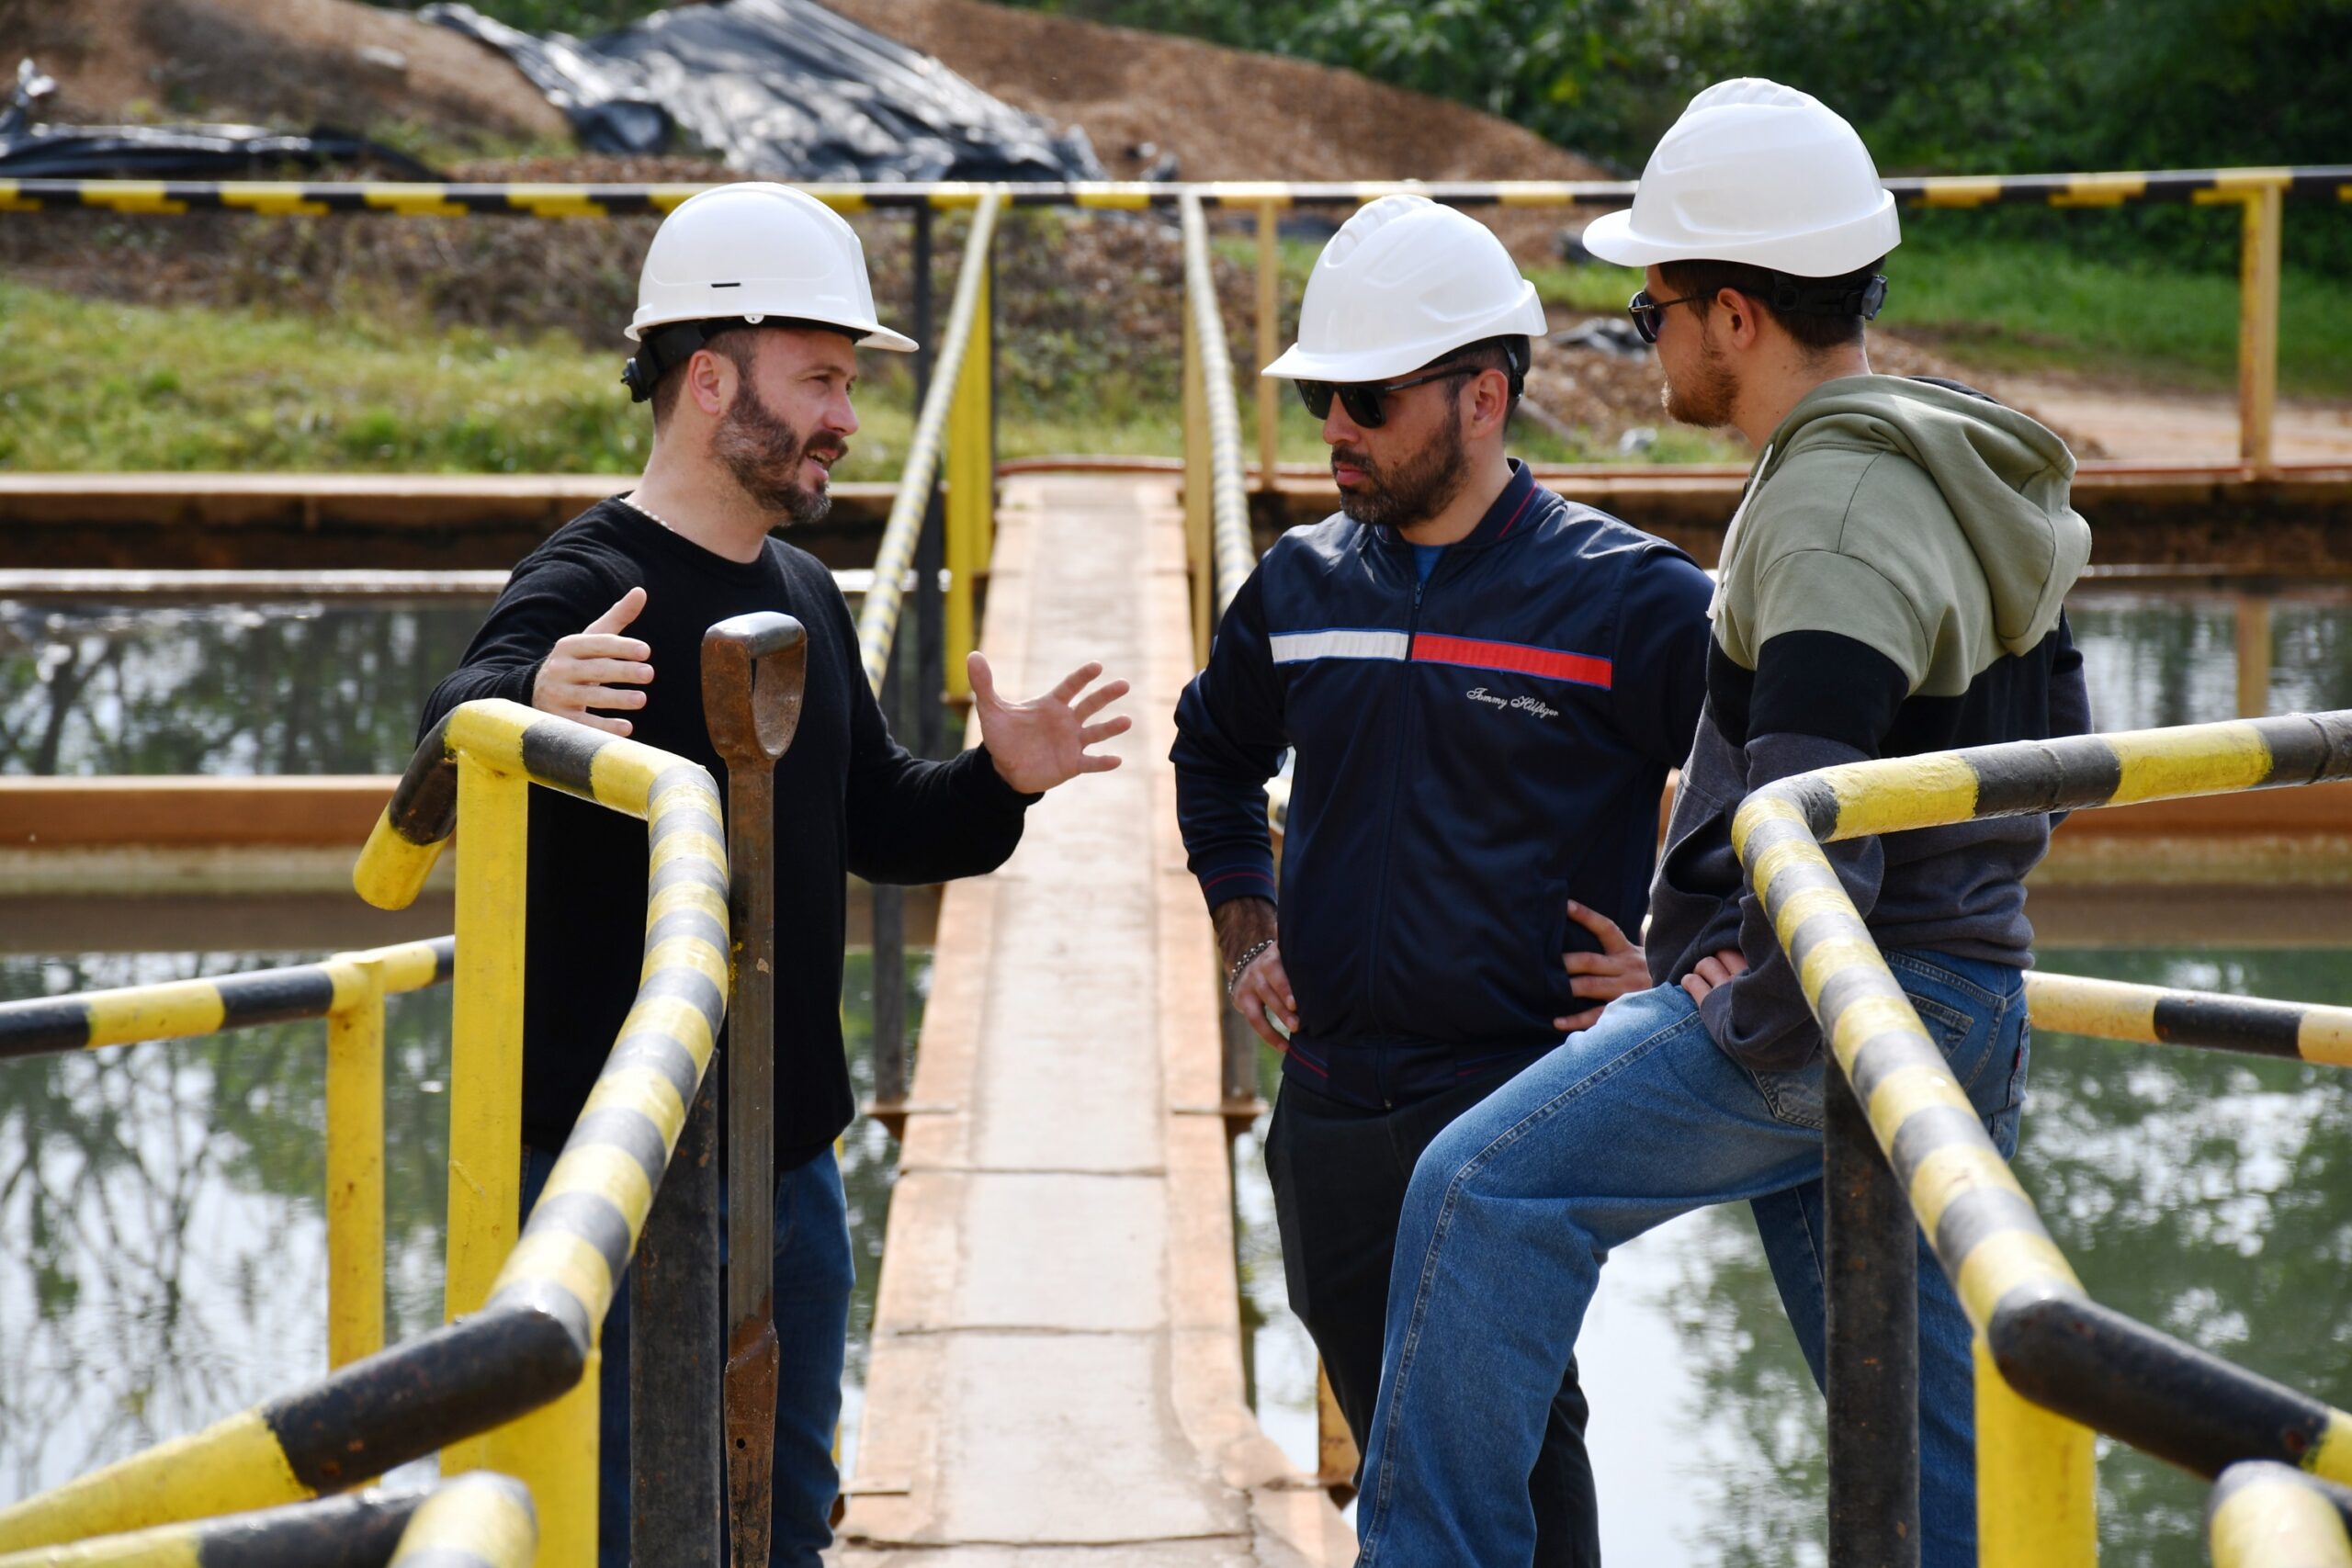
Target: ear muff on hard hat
column 753, row 253
column 1404, row 282
column 1759, row 174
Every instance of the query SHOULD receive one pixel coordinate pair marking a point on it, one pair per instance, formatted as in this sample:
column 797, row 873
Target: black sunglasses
column 1362, row 399
column 1648, row 312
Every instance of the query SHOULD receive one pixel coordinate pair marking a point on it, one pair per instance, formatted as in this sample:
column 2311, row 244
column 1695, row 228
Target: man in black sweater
column 603, row 623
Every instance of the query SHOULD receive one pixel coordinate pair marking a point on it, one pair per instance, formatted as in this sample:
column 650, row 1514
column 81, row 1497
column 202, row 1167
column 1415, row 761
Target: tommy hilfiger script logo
column 1540, row 710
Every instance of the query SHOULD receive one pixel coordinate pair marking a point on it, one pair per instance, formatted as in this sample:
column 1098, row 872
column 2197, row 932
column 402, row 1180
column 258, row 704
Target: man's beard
column 763, row 454
column 1706, row 396
column 1415, row 488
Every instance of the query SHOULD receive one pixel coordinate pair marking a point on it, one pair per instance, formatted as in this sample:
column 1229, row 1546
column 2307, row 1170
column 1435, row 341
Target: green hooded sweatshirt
column 1894, row 583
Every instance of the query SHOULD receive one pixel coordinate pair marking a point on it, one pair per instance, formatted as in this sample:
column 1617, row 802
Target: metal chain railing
column 946, row 399
column 956, row 416
column 2042, row 1342
column 1216, row 504
column 1218, row 547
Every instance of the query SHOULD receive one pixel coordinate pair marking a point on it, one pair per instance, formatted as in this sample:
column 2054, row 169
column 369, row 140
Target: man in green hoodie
column 1891, row 584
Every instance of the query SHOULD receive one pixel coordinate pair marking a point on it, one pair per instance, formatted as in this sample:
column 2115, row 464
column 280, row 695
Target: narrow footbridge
column 1057, row 1356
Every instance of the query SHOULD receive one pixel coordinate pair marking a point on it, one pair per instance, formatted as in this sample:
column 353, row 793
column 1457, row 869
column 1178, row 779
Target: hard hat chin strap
column 665, row 348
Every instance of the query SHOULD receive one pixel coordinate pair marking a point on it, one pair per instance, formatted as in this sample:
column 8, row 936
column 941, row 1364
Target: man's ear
column 710, row 379
column 1742, row 324
column 1490, row 402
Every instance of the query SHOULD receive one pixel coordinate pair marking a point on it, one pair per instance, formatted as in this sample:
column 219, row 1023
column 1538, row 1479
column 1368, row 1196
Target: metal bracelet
column 1233, row 976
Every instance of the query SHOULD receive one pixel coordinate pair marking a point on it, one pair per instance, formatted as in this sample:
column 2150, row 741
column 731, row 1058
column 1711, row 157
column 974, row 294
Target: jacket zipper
column 1388, row 827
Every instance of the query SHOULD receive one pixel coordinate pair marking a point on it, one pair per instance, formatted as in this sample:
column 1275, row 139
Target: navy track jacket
column 1472, row 753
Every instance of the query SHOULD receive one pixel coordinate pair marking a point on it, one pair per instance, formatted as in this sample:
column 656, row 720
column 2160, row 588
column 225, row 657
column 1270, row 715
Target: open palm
column 1044, row 741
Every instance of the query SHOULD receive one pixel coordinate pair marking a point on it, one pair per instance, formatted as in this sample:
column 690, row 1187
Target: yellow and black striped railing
column 348, row 991
column 525, row 1312
column 533, row 199
column 2263, row 1515
column 173, row 1009
column 2161, row 1015
column 482, row 1520
column 476, row 1521
column 2261, row 194
column 2049, row 1340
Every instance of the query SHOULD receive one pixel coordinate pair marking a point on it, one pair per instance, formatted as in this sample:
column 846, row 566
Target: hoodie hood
column 2005, row 478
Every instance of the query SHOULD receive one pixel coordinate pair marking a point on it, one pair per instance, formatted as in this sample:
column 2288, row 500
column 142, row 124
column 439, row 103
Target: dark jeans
column 813, row 1276
column 1340, row 1174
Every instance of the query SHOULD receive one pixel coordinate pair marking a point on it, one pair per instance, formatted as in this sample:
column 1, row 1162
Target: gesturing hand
column 1717, row 969
column 1261, row 993
column 1040, row 743
column 1616, row 970
column 576, row 673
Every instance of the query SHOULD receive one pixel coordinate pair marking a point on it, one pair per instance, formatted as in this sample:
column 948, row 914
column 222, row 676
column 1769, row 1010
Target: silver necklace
column 632, row 503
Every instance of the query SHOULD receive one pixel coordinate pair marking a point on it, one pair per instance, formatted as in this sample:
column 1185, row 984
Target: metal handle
column 755, row 669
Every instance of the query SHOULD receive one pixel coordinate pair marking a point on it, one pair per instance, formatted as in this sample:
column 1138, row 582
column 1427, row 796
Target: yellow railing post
column 554, row 1450
column 2258, row 327
column 1268, row 343
column 485, row 1046
column 2037, row 1494
column 971, row 487
column 355, row 1160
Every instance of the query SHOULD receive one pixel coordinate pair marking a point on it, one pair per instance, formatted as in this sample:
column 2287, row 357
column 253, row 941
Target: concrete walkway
column 1057, row 1362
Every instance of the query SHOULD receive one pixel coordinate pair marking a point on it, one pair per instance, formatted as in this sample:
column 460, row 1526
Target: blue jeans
column 813, row 1275
column 1514, row 1207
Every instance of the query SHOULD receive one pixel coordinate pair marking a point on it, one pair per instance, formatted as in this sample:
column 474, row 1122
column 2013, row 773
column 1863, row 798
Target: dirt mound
column 284, row 61
column 1227, row 113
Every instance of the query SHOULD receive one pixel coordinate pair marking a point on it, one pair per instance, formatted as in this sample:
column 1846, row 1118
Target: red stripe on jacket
column 1581, row 668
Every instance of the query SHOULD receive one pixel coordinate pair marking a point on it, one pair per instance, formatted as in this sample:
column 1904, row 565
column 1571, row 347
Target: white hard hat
column 759, row 250
column 1757, row 173
column 1400, row 284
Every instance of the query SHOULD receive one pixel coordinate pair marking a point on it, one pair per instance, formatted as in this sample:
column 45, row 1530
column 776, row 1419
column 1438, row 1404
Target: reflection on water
column 2156, row 657
column 166, row 1260
column 234, row 689
column 306, row 689
column 2209, row 1194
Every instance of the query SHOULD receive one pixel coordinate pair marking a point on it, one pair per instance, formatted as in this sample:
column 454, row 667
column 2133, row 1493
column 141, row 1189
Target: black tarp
column 782, row 87
column 34, row 152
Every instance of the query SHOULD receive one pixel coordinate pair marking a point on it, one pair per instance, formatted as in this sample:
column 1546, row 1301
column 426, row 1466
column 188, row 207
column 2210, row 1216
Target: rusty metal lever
column 753, row 673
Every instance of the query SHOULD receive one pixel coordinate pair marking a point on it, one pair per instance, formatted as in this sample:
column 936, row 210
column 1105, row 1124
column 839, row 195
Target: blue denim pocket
column 1796, row 1096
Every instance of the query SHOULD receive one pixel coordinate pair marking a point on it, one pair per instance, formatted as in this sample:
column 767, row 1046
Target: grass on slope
column 91, row 385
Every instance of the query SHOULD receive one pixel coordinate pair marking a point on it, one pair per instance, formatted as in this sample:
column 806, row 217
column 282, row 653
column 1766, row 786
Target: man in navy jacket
column 1483, row 687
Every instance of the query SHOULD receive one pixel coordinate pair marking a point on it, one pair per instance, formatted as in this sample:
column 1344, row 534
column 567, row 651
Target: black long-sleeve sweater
column 848, row 798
